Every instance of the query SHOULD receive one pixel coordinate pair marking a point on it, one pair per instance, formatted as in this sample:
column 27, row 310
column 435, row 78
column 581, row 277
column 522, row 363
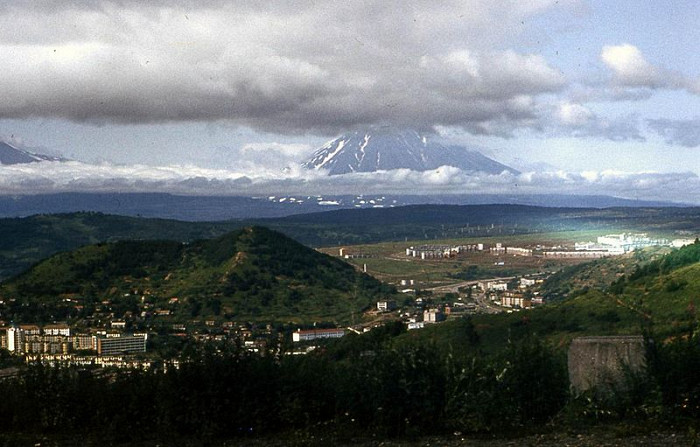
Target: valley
column 431, row 300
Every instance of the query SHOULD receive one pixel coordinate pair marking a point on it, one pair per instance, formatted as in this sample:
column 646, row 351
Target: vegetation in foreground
column 457, row 377
column 224, row 392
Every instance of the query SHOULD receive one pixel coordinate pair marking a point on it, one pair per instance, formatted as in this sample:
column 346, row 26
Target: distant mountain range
column 388, row 148
column 217, row 208
column 10, row 155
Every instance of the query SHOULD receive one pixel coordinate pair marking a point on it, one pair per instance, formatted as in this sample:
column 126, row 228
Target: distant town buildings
column 441, row 251
column 386, row 306
column 433, row 316
column 492, row 285
column 123, row 344
column 57, row 339
column 313, row 334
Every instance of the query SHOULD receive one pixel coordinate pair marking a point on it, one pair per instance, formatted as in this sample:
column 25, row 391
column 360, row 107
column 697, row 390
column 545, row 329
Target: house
column 526, row 282
column 118, row 324
column 386, row 306
column 433, row 316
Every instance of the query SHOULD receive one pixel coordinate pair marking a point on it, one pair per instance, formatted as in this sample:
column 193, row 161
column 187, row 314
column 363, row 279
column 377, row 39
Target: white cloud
column 571, row 114
column 632, row 70
column 48, row 177
column 630, row 66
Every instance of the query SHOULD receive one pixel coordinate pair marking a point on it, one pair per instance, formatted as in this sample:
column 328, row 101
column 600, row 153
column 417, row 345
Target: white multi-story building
column 14, row 339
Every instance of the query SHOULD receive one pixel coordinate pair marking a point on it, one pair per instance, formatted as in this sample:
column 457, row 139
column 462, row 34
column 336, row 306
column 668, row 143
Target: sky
column 219, row 97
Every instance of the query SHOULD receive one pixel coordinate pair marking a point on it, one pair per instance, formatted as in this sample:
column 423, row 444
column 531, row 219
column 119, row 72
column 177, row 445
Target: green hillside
column 659, row 296
column 25, row 241
column 253, row 273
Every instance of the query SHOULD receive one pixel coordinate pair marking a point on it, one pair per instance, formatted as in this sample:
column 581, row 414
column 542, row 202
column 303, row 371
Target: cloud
column 283, row 67
column 680, row 132
column 630, row 67
column 273, row 156
column 577, row 120
column 50, row 177
column 632, row 70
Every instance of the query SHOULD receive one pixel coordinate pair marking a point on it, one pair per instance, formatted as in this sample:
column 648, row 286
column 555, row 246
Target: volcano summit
column 386, row 149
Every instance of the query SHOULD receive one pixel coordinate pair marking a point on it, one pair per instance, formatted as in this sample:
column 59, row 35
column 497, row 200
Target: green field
column 388, row 262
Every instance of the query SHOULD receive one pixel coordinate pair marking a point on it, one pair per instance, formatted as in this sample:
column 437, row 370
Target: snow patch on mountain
column 386, row 149
column 10, row 155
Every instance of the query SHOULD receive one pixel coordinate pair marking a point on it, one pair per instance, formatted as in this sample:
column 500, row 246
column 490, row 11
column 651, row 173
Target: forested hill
column 252, row 273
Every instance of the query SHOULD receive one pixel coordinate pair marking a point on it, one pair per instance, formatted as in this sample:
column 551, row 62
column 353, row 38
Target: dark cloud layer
column 286, row 67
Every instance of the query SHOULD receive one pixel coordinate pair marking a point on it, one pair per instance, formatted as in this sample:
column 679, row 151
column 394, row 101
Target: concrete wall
column 597, row 362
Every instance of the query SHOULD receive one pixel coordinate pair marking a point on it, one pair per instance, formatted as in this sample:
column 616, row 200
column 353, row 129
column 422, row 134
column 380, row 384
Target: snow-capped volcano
column 10, row 155
column 387, row 148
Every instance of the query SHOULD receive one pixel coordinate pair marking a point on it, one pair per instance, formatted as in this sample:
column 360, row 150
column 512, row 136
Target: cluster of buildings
column 507, row 294
column 58, row 339
column 609, row 245
column 441, row 251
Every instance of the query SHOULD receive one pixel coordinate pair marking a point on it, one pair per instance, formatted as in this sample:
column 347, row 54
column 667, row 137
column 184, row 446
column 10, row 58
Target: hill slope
column 253, row 273
column 659, row 298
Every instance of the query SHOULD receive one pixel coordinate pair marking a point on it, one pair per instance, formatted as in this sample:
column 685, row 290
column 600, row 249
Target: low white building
column 313, row 334
column 527, row 282
column 386, row 305
column 678, row 243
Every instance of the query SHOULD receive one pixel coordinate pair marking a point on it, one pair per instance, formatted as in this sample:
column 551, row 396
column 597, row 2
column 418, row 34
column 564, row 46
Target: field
column 388, row 261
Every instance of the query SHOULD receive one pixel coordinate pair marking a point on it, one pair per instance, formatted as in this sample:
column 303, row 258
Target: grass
column 388, row 262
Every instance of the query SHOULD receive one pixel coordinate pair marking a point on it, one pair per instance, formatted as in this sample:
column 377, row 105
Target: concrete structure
column 386, row 306
column 580, row 254
column 57, row 329
column 124, row 344
column 433, row 316
column 492, row 285
column 14, row 339
column 678, row 243
column 498, row 249
column 517, row 251
column 628, row 242
column 600, row 362
column 313, row 334
column 527, row 282
column 515, row 300
column 440, row 251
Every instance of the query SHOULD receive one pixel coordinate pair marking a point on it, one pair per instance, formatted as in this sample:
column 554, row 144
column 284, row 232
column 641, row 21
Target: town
column 148, row 334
